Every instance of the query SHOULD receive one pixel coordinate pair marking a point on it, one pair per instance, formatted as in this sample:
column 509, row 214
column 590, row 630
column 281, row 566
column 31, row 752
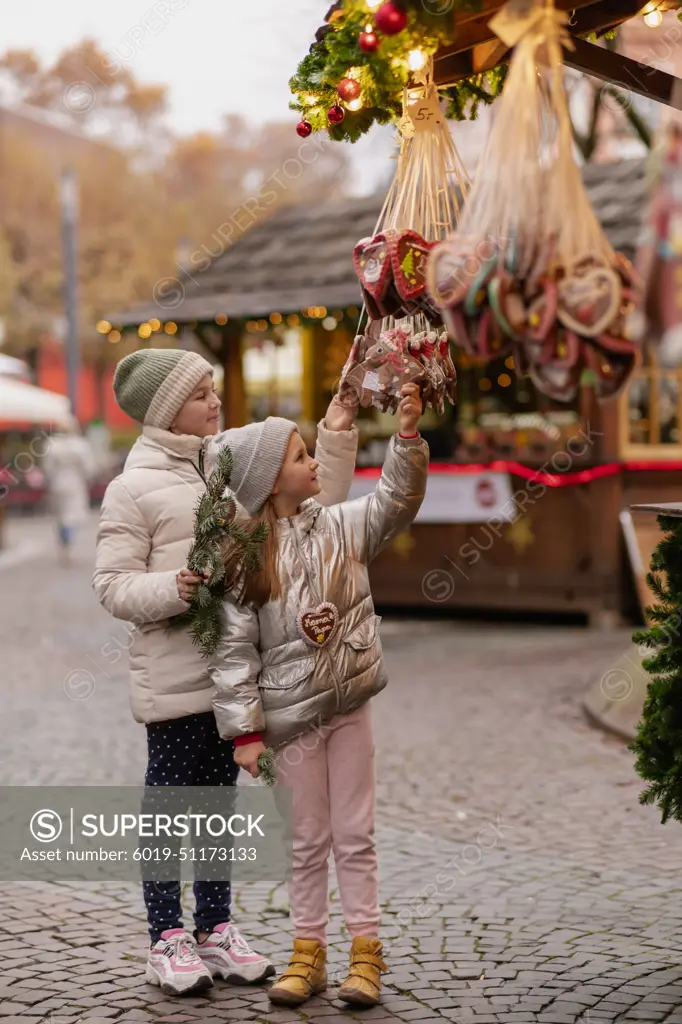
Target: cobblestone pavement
column 521, row 880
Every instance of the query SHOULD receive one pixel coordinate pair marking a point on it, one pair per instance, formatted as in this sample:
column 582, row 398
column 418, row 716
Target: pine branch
column 218, row 542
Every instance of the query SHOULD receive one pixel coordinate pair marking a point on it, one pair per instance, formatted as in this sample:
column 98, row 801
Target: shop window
column 651, row 412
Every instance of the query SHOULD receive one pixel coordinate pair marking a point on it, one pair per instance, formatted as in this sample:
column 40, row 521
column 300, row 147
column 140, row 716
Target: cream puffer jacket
column 145, row 532
column 271, row 681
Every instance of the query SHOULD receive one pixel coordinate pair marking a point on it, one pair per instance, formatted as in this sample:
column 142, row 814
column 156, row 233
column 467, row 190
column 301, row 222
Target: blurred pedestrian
column 298, row 665
column 69, row 466
column 141, row 576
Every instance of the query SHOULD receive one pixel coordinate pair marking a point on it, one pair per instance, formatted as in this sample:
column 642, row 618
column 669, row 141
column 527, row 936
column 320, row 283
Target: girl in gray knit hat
column 300, row 660
column 146, row 529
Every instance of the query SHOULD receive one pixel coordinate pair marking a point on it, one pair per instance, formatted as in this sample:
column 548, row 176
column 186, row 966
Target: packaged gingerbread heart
column 404, row 340
column 384, row 359
column 529, row 270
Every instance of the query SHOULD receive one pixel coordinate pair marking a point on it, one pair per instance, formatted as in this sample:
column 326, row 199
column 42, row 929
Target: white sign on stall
column 456, row 497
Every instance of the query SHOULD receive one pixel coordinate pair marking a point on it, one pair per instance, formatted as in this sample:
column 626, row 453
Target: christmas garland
column 355, row 74
column 658, row 745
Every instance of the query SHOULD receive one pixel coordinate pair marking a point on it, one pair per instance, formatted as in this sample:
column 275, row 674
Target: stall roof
column 302, row 255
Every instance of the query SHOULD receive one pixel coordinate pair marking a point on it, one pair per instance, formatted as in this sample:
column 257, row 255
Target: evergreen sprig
column 267, row 768
column 658, row 744
column 383, row 74
column 224, row 551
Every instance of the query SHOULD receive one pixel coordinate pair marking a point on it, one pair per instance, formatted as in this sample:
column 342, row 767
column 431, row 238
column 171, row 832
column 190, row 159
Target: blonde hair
column 265, row 585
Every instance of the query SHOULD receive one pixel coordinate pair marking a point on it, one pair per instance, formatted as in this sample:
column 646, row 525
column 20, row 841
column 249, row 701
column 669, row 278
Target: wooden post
column 234, row 393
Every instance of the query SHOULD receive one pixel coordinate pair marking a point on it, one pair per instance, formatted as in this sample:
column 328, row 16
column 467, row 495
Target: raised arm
column 121, row 581
column 370, row 522
column 337, row 449
column 234, row 669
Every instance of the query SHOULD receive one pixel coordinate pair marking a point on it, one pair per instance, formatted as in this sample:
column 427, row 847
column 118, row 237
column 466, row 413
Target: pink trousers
column 331, row 774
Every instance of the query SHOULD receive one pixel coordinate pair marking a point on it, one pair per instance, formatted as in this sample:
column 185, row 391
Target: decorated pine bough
column 404, row 340
column 529, row 272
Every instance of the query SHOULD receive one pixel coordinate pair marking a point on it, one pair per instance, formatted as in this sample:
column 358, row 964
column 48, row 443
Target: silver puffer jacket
column 270, row 681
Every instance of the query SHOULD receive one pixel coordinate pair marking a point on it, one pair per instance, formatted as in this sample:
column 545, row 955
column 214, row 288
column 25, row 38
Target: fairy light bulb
column 653, row 19
column 355, row 104
column 416, row 60
column 373, row 4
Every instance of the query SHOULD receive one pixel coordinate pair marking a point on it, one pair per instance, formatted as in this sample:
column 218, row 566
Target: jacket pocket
column 365, row 635
column 277, row 677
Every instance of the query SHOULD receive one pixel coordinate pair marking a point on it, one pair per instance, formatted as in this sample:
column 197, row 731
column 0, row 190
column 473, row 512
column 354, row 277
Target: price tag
column 425, row 114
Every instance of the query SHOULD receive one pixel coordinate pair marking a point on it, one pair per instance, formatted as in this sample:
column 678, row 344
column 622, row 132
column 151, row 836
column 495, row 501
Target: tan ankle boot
column 362, row 987
column 305, row 976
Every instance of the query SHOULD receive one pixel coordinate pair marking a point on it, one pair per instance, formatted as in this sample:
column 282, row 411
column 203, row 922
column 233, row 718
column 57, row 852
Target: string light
column 144, row 330
column 653, row 19
column 221, row 319
column 293, row 320
column 171, row 327
column 276, row 318
column 329, row 323
column 155, row 324
column 355, row 104
column 504, row 380
column 373, row 4
column 262, row 325
column 484, row 384
column 252, row 326
column 416, row 60
column 114, row 336
column 103, row 327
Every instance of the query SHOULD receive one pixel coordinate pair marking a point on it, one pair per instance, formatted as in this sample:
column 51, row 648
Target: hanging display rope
column 404, row 341
column 529, row 272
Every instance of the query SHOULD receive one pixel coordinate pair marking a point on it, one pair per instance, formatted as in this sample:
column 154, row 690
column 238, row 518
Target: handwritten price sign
column 425, row 114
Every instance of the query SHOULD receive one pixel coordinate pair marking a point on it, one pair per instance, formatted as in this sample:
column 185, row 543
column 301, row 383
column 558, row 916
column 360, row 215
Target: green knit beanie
column 153, row 384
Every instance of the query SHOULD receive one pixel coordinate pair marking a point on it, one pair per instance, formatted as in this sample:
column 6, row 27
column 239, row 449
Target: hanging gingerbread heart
column 316, row 626
column 409, row 255
column 372, row 261
column 589, row 300
column 542, row 310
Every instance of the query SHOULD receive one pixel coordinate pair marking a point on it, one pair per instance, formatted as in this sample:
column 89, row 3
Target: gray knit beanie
column 153, row 384
column 259, row 451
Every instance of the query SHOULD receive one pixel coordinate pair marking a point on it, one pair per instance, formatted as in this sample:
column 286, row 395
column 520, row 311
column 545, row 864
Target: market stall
column 530, row 476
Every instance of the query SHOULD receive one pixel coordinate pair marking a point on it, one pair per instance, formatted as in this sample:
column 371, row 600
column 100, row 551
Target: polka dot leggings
column 188, row 752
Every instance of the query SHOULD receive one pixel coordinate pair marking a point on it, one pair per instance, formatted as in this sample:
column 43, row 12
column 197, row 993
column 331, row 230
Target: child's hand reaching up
column 247, row 756
column 410, row 409
column 338, row 416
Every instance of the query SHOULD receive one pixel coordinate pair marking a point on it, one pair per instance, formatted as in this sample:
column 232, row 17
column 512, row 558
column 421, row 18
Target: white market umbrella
column 23, row 403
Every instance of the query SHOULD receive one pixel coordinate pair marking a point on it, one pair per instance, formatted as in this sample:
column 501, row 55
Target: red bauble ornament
column 390, row 19
column 368, row 42
column 349, row 89
column 336, row 114
column 304, row 129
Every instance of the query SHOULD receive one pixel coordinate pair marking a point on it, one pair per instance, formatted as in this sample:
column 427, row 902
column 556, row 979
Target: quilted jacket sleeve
column 369, row 523
column 121, row 581
column 336, row 453
column 234, row 669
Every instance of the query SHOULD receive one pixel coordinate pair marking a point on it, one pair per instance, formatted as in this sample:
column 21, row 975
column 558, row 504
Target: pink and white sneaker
column 174, row 965
column 228, row 955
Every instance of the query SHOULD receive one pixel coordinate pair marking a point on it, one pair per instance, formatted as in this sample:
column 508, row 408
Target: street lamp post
column 69, row 205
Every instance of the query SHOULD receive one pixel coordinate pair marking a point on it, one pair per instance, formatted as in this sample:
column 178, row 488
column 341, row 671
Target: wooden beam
column 586, row 16
column 597, row 61
column 628, row 74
